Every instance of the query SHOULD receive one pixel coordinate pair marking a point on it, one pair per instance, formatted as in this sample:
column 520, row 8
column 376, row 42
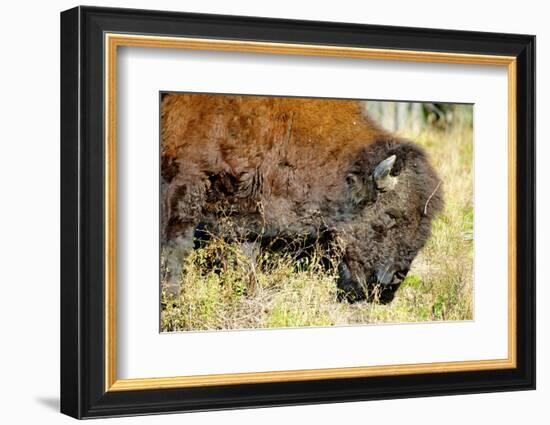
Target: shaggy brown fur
column 289, row 168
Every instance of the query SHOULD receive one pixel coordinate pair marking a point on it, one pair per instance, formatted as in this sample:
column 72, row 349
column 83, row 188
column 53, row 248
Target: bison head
column 394, row 193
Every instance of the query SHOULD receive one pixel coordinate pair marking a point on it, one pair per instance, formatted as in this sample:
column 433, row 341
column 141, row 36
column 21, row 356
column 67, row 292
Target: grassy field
column 273, row 292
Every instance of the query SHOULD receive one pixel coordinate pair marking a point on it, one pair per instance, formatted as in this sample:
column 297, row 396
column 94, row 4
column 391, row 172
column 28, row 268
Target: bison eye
column 360, row 192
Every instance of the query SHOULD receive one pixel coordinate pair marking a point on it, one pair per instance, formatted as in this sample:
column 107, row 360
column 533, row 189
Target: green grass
column 273, row 291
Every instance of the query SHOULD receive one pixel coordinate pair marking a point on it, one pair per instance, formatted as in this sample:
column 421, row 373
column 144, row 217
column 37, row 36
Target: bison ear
column 382, row 177
column 356, row 187
column 354, row 180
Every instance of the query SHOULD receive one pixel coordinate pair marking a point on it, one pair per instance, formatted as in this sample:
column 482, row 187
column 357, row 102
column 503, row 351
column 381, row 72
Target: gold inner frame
column 113, row 41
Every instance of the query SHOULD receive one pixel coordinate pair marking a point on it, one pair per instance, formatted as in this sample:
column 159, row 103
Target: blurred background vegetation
column 272, row 291
column 414, row 117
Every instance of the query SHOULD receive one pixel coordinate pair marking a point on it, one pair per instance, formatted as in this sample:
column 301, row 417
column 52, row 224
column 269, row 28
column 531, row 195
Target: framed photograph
column 261, row 212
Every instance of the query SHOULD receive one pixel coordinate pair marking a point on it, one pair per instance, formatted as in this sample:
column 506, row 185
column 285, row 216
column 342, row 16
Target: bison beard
column 295, row 169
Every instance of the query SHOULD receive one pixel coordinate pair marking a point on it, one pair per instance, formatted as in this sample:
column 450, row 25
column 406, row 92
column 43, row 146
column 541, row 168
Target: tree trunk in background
column 389, row 115
column 417, row 118
column 402, row 115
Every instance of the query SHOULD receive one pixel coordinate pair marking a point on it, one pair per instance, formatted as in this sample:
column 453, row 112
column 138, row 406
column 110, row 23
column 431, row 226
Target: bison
column 292, row 168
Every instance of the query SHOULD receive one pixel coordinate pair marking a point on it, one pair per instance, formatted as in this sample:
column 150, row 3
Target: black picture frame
column 83, row 392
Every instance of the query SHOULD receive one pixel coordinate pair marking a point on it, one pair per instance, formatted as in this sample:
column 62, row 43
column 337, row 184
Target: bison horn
column 381, row 175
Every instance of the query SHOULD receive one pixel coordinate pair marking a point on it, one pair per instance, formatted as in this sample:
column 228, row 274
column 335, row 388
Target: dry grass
column 272, row 291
